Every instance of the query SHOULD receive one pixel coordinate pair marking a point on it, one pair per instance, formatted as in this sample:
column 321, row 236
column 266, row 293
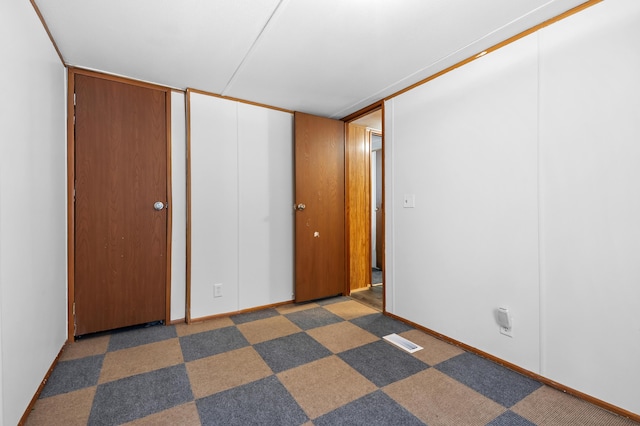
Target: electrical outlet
column 507, row 331
column 217, row 290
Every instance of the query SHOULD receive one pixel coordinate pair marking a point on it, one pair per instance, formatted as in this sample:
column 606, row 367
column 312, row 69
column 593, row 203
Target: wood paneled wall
column 358, row 204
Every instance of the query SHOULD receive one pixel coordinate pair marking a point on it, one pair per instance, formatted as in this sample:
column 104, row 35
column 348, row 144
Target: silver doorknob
column 158, row 205
column 300, row 207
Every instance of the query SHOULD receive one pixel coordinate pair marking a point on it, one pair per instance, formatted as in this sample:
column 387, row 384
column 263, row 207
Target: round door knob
column 158, row 205
column 300, row 207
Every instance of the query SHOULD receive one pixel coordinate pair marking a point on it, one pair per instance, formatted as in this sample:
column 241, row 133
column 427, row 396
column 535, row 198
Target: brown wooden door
column 320, row 233
column 120, row 172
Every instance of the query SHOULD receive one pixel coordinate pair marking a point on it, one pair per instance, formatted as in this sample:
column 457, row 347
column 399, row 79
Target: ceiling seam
column 232, row 80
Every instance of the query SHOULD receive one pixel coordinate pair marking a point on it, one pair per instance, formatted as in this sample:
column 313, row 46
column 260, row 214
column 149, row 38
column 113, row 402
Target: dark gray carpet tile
column 131, row 337
column 263, row 402
column 73, row 375
column 504, row 386
column 313, row 318
column 137, row 396
column 202, row 345
column 331, row 300
column 376, row 276
column 253, row 316
column 380, row 325
column 290, row 351
column 382, row 363
column 509, row 418
column 370, row 410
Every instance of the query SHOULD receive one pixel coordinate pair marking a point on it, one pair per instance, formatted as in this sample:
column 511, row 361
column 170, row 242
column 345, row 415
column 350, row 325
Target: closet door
column 120, row 205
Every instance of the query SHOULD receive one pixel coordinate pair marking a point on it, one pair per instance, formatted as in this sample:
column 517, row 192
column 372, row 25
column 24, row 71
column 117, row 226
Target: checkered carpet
column 321, row 363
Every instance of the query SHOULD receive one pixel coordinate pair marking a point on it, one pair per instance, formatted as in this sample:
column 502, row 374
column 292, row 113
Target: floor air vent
column 402, row 343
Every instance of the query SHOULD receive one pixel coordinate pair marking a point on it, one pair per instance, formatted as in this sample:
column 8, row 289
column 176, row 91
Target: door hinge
column 73, row 309
column 74, row 109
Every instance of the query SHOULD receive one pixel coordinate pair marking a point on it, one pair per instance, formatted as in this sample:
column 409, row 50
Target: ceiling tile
column 328, row 57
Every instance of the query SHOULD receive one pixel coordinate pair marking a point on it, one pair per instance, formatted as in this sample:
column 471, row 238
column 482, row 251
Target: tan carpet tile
column 549, row 407
column 267, row 329
column 225, row 371
column 140, row 359
column 183, row 415
column 350, row 309
column 85, row 347
column 434, row 350
column 199, row 327
column 439, row 400
column 295, row 307
column 341, row 336
column 324, row 385
column 68, row 409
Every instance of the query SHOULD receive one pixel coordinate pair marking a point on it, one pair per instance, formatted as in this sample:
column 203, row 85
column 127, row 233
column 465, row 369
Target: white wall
column 32, row 208
column 465, row 146
column 524, row 164
column 179, row 207
column 590, row 201
column 241, row 205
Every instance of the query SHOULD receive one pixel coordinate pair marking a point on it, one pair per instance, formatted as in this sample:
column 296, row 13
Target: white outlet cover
column 409, row 201
column 217, row 290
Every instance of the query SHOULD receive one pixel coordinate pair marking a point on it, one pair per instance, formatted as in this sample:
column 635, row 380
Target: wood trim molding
column 71, row 220
column 36, row 396
column 384, row 215
column 188, row 213
column 364, row 111
column 497, row 46
column 46, row 28
column 243, row 101
column 551, row 383
column 242, row 311
column 119, row 79
column 169, row 209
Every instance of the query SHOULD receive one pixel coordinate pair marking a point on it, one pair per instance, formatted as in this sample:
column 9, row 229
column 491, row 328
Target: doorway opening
column 365, row 208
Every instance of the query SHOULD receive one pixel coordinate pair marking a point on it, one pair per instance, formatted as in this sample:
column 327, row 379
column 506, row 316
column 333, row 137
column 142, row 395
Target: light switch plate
column 409, row 201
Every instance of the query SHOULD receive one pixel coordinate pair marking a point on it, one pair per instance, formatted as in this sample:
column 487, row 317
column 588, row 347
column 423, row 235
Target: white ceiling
column 325, row 57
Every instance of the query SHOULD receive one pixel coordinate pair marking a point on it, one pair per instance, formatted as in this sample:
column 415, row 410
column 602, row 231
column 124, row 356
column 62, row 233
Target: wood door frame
column 358, row 114
column 357, row 188
column 380, row 133
column 71, row 144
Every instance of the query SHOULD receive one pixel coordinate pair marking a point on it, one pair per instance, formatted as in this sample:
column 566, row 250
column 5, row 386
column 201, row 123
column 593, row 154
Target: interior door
column 320, row 202
column 120, row 235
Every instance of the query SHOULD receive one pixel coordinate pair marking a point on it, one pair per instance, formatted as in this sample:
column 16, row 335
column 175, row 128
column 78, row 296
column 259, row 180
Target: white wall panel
column 590, row 186
column 214, row 204
column 465, row 145
column 179, row 207
column 33, row 230
column 266, row 205
column 241, row 205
